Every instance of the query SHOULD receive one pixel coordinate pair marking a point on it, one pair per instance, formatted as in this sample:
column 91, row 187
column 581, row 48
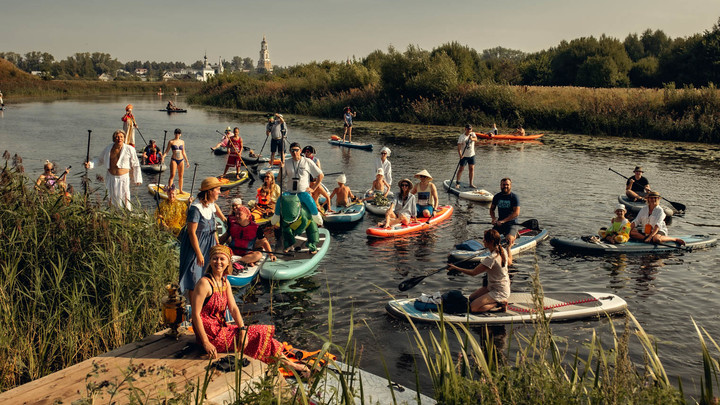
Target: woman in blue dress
column 200, row 235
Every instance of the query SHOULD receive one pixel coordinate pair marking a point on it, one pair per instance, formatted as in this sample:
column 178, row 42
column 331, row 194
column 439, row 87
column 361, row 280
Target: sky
column 302, row 31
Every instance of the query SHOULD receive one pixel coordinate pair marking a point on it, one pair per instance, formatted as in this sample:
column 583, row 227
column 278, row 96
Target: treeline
column 89, row 66
column 454, row 84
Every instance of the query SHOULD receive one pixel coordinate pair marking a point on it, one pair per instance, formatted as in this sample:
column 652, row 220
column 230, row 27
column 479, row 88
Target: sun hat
column 280, row 116
column 405, row 181
column 638, row 169
column 341, row 179
column 620, row 207
column 221, row 249
column 210, row 183
column 386, row 150
column 652, row 194
column 380, row 171
column 423, row 173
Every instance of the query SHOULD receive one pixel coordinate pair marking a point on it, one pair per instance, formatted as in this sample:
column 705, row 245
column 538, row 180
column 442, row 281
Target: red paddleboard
column 443, row 212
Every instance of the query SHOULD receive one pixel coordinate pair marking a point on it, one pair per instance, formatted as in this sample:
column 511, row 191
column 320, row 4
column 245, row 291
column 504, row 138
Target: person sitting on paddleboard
column 637, row 185
column 297, row 172
column 171, row 214
column 519, row 131
column 348, row 115
column 213, row 297
column 384, row 163
column 508, row 206
column 426, row 192
column 380, row 186
column 494, row 131
column 151, row 154
column 310, row 153
column 343, row 193
column 266, row 198
column 171, row 106
column 466, row 152
column 649, row 224
column 619, row 229
column 244, row 235
column 403, row 210
column 495, row 296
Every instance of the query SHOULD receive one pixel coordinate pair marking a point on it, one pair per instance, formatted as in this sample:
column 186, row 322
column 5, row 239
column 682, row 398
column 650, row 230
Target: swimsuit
column 177, row 151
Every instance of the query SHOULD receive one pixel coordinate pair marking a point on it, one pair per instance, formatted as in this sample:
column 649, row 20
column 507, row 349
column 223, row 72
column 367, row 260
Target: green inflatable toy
column 296, row 219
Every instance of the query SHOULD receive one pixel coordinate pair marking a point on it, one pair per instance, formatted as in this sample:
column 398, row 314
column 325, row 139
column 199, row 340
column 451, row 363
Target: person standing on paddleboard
column 466, row 152
column 122, row 166
column 129, row 125
column 637, row 185
column 384, row 164
column 508, row 206
column 348, row 115
column 277, row 134
column 297, row 172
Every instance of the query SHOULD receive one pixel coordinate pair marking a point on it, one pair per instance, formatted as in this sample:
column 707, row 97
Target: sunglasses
column 383, row 153
column 404, row 185
column 294, row 150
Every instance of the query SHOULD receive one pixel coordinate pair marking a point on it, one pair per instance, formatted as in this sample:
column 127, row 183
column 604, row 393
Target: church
column 264, row 64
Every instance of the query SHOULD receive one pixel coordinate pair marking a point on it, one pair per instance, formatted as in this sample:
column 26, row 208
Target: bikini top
column 176, row 147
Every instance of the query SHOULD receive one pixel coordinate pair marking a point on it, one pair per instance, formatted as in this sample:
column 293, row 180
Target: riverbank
column 668, row 113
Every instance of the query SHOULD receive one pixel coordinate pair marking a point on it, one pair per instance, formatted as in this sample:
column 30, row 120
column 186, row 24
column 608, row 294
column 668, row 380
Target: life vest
column 243, row 237
column 262, row 198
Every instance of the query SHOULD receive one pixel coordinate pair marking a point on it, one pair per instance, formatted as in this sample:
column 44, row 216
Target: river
column 562, row 181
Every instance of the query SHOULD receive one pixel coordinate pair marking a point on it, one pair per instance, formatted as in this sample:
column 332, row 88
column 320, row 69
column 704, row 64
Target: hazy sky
column 300, row 31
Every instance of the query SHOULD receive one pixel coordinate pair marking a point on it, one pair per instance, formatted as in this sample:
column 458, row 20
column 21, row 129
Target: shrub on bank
column 76, row 279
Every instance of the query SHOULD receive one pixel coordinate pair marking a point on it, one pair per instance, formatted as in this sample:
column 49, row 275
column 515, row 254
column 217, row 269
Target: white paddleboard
column 468, row 193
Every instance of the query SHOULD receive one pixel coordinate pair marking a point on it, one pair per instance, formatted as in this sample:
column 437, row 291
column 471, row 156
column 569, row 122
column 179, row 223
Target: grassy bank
column 76, row 279
column 669, row 113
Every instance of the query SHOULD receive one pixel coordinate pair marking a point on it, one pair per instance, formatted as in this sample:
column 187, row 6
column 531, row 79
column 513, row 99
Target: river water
column 563, row 181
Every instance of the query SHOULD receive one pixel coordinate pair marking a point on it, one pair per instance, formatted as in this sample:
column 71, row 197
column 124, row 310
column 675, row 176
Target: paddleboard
column 230, row 179
column 467, row 192
column 375, row 209
column 153, row 189
column 578, row 244
column 560, row 306
column 177, row 110
column 443, row 212
column 245, row 276
column 157, row 168
column 634, row 207
column 375, row 389
column 222, row 150
column 355, row 145
column 345, row 215
column 510, row 137
column 526, row 241
column 275, row 170
column 301, row 263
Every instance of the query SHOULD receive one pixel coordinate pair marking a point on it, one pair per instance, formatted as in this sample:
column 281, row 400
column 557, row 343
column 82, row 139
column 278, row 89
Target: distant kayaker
column 649, row 224
column 129, row 125
column 171, row 214
column 466, row 153
column 296, row 174
column 495, row 296
column 2, row 102
column 171, row 106
column 244, row 236
column 344, row 196
column 637, row 186
column 348, row 115
column 426, row 194
column 178, row 160
column 122, row 166
column 384, row 163
column 277, row 134
column 403, row 210
column 519, row 131
column 508, row 206
column 494, row 131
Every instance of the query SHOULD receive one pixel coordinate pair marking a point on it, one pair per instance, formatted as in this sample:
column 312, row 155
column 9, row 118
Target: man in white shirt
column 466, row 152
column 122, row 164
column 296, row 174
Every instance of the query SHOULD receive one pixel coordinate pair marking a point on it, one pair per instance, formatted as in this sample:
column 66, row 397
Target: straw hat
column 652, row 194
column 221, row 249
column 423, row 173
column 210, row 183
column 405, row 181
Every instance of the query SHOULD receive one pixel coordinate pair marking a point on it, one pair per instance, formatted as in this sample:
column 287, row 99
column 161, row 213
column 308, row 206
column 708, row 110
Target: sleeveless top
column 425, row 197
column 243, row 237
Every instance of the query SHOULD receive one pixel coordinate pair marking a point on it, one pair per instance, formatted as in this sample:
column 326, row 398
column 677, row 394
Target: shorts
column 508, row 229
column 421, row 208
column 276, row 145
column 467, row 161
column 346, row 125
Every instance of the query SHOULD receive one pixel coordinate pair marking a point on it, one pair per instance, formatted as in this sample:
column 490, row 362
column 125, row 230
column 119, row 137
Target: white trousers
column 118, row 188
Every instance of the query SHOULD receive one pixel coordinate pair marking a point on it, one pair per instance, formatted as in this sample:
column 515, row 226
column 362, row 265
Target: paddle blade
column 410, row 283
column 531, row 224
column 677, row 206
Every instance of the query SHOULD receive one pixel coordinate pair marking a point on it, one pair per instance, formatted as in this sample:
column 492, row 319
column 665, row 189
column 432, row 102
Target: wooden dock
column 160, row 367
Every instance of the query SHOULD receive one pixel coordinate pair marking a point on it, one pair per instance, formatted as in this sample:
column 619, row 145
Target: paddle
column 244, row 147
column 263, row 147
column 239, row 156
column 676, row 205
column 157, row 194
column 412, row 282
column 87, row 160
column 458, row 165
column 141, row 135
column 192, row 185
column 530, row 224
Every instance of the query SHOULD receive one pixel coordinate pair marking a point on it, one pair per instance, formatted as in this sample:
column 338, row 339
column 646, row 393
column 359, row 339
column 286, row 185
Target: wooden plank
column 155, row 367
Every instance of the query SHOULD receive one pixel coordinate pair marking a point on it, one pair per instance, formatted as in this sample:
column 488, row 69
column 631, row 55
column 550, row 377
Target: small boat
column 301, row 263
column 634, row 207
column 562, row 306
column 156, row 168
column 587, row 246
column 176, row 110
column 231, row 180
column 222, row 150
column 155, row 188
column 443, row 212
column 510, row 137
column 466, row 192
column 335, row 140
column 246, row 275
column 345, row 215
column 527, row 239
column 375, row 209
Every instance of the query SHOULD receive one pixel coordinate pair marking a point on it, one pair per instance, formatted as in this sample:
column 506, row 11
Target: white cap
column 380, row 171
column 341, row 179
column 236, row 201
column 620, row 207
column 386, row 150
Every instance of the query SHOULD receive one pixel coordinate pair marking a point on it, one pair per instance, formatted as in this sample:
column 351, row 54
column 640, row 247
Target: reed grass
column 76, row 279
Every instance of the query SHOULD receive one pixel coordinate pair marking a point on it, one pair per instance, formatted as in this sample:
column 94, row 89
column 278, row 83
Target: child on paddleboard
column 343, row 194
column 619, row 229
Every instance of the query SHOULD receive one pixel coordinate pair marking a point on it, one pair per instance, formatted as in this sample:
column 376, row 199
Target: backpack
column 455, row 302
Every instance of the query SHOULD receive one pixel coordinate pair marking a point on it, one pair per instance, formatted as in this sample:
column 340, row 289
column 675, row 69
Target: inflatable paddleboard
column 634, row 207
column 345, row 215
column 521, row 308
column 354, row 145
column 157, row 168
column 289, row 267
column 154, row 187
column 526, row 241
column 467, row 192
column 443, row 212
column 247, row 275
column 584, row 245
column 230, row 179
column 510, row 137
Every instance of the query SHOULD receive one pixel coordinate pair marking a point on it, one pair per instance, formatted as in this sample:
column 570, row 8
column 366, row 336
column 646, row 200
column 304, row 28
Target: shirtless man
column 519, row 131
column 343, row 193
column 122, row 164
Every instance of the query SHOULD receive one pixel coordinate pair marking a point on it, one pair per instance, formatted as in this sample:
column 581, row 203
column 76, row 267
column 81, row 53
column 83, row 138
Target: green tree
column 467, row 61
column 438, row 78
column 644, row 73
column 536, row 69
column 634, row 47
column 654, row 42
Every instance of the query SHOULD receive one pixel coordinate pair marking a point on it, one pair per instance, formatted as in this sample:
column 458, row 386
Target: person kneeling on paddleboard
column 494, row 297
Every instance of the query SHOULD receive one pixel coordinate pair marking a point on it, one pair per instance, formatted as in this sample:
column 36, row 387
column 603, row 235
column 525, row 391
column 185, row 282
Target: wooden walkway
column 158, row 365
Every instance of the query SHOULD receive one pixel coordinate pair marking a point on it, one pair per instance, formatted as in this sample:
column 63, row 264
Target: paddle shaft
column 678, row 206
column 141, row 135
column 412, row 282
column 467, row 144
column 87, row 160
column 263, row 147
column 192, row 185
column 244, row 147
column 157, row 194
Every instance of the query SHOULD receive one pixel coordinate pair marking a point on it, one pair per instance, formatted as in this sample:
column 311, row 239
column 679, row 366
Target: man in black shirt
column 508, row 206
column 637, row 186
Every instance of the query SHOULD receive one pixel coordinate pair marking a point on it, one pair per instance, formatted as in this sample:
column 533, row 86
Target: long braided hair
column 492, row 237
